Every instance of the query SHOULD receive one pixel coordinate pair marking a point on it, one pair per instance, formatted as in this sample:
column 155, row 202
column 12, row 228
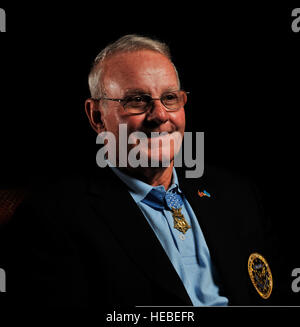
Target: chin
column 159, row 157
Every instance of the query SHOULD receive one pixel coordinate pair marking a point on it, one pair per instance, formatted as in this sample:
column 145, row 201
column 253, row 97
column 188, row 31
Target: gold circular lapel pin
column 260, row 275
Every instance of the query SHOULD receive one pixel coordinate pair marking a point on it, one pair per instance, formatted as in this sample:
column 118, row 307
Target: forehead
column 140, row 69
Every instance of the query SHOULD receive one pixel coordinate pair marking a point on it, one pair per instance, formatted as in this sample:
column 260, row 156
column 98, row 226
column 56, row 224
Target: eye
column 170, row 97
column 136, row 100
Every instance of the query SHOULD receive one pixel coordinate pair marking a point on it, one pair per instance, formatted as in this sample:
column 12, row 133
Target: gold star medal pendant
column 174, row 202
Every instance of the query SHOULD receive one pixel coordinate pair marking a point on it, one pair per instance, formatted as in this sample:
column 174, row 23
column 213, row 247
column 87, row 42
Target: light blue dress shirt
column 188, row 252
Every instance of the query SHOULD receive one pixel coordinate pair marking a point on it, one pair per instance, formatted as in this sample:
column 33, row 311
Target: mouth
column 159, row 145
column 155, row 134
column 157, row 139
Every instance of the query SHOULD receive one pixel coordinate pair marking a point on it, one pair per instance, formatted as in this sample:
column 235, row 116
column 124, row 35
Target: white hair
column 127, row 43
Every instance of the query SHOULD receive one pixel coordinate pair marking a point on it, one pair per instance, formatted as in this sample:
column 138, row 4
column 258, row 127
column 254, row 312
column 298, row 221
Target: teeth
column 167, row 139
column 158, row 134
column 162, row 140
column 152, row 135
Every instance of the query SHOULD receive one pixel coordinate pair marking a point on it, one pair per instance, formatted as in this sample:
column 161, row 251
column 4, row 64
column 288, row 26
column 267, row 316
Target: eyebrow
column 142, row 91
column 135, row 91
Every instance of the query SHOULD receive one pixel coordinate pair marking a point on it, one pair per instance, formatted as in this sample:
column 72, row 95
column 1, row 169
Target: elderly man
column 125, row 235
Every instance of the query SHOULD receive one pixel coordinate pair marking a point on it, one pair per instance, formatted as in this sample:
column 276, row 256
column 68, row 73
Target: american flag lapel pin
column 204, row 193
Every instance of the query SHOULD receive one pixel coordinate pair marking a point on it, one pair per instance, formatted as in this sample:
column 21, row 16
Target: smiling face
column 134, row 73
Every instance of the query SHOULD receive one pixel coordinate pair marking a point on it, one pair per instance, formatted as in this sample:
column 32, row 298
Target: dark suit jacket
column 83, row 241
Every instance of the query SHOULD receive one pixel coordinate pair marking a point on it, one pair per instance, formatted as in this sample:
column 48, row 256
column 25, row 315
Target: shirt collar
column 139, row 189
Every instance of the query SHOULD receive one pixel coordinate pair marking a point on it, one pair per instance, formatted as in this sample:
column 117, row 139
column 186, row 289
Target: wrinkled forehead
column 139, row 69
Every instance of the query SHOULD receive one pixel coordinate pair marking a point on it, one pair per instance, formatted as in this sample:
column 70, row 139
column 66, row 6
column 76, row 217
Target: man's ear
column 94, row 115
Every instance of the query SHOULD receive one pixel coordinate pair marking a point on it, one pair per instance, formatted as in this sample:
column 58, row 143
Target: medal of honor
column 260, row 275
column 179, row 221
column 174, row 202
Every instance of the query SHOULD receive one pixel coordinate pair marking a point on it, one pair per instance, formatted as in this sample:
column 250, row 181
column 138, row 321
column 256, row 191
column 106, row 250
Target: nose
column 157, row 113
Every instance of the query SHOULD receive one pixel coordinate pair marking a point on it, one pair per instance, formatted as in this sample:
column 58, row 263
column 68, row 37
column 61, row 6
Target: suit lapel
column 219, row 232
column 113, row 203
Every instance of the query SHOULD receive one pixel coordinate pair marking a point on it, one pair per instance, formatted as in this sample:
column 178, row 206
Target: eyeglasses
column 140, row 103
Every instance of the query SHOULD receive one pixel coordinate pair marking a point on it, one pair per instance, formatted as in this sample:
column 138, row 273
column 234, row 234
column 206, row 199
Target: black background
column 240, row 63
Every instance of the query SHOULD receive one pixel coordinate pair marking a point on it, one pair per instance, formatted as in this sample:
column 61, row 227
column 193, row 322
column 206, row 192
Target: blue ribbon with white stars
column 160, row 200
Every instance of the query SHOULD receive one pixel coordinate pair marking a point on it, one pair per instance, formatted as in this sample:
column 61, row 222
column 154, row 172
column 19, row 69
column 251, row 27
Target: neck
column 152, row 176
